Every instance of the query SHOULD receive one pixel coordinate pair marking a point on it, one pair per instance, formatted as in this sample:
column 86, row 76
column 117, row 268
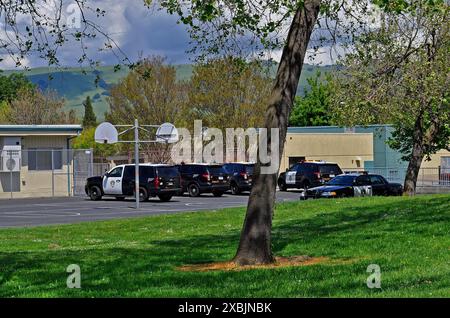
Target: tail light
column 156, row 182
column 244, row 175
column 317, row 174
column 206, row 176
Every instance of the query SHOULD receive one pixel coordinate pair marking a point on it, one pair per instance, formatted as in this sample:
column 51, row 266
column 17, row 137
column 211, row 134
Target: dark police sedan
column 354, row 185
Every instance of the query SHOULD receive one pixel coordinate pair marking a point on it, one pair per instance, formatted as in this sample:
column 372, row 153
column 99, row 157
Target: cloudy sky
column 138, row 31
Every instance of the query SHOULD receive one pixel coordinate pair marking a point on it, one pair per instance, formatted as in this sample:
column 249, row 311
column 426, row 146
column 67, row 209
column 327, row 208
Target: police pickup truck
column 158, row 180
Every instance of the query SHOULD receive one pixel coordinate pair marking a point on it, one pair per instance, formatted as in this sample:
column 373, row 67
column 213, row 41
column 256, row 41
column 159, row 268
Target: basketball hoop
column 167, row 133
column 106, row 133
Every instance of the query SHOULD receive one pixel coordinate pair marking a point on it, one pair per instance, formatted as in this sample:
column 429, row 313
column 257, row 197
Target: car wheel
column 95, row 193
column 305, row 185
column 165, row 197
column 193, row 190
column 282, row 185
column 143, row 195
column 217, row 193
column 235, row 189
column 120, row 198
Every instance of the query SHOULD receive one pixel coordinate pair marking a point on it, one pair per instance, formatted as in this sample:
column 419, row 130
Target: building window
column 39, row 160
column 445, row 163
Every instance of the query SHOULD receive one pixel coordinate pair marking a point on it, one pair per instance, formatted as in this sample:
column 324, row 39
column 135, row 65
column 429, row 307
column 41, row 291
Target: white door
column 362, row 188
column 112, row 181
column 362, row 191
column 290, row 177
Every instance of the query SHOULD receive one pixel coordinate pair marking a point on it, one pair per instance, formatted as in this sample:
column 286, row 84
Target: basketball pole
column 136, row 161
column 106, row 133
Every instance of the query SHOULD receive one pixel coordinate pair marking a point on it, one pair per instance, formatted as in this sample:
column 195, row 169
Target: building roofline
column 319, row 133
column 338, row 127
column 40, row 128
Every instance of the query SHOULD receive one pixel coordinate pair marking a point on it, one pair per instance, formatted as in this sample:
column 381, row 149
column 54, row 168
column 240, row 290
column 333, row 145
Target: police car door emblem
column 290, row 177
column 112, row 183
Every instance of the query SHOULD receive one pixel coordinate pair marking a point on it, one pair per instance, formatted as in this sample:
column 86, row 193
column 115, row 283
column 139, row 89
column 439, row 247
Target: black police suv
column 304, row 175
column 158, row 180
column 354, row 185
column 198, row 178
column 241, row 175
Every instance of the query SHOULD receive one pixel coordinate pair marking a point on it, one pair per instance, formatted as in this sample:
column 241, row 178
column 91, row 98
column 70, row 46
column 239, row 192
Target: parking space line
column 40, row 211
column 39, row 215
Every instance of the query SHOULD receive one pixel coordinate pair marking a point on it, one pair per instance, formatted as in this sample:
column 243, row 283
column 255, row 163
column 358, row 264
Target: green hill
column 75, row 84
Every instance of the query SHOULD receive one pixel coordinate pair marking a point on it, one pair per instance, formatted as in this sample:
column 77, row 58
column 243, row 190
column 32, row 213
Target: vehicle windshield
column 216, row 170
column 330, row 169
column 342, row 180
column 168, row 172
column 249, row 169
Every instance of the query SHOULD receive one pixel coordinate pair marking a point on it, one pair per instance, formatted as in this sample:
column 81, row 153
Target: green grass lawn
column 408, row 238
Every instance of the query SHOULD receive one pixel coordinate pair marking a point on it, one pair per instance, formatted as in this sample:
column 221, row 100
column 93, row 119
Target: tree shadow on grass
column 150, row 269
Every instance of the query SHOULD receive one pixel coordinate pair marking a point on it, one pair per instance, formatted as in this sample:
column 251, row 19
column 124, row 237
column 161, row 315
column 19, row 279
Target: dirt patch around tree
column 280, row 262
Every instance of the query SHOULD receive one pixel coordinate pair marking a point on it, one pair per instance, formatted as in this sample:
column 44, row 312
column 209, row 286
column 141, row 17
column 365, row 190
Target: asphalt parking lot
column 46, row 211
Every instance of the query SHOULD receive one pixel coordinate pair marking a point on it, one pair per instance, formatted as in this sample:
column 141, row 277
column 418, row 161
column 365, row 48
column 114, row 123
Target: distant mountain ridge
column 75, row 84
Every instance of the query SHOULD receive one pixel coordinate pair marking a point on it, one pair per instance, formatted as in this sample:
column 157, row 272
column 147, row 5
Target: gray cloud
column 155, row 33
column 136, row 29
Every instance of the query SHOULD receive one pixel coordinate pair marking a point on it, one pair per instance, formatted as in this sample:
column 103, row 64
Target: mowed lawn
column 409, row 238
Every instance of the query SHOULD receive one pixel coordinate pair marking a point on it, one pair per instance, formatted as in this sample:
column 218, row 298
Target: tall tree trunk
column 412, row 172
column 255, row 246
column 415, row 161
column 422, row 137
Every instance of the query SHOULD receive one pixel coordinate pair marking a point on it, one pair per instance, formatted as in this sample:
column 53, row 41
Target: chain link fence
column 63, row 172
column 44, row 172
